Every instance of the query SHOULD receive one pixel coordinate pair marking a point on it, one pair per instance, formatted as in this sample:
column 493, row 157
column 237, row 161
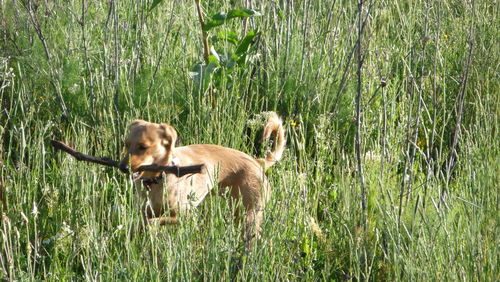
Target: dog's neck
column 174, row 161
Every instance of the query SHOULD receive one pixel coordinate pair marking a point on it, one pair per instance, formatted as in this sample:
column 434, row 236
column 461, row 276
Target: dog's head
column 149, row 143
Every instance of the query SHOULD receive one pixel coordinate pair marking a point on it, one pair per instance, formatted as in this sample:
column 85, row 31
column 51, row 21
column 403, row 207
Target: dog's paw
column 153, row 221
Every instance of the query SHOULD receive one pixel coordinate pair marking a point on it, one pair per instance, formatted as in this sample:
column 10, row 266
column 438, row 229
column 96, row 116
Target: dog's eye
column 142, row 147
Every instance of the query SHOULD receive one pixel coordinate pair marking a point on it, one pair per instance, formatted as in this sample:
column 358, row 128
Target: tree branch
column 177, row 170
column 452, row 157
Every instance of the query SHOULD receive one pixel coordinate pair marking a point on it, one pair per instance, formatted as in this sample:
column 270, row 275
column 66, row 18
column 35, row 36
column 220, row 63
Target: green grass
column 65, row 220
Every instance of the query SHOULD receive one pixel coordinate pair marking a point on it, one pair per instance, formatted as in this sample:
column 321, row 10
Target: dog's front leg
column 164, row 220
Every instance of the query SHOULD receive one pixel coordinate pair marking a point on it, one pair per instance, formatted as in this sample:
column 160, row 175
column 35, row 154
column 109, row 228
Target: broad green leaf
column 230, row 62
column 200, row 76
column 246, row 42
column 155, row 3
column 213, row 59
column 202, row 73
column 242, row 13
column 221, row 18
column 228, row 36
column 216, row 20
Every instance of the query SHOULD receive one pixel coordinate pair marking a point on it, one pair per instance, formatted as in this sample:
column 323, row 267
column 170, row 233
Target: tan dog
column 152, row 143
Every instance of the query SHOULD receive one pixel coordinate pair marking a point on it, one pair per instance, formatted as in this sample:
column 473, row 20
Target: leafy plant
column 222, row 17
column 63, row 220
column 220, row 65
column 217, row 65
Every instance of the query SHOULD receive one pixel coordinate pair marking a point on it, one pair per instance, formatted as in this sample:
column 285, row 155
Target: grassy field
column 391, row 110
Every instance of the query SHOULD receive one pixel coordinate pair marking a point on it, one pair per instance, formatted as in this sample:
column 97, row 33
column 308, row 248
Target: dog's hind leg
column 253, row 221
column 254, row 201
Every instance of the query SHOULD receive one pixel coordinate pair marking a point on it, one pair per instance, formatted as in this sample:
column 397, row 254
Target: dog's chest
column 176, row 193
column 189, row 191
column 151, row 195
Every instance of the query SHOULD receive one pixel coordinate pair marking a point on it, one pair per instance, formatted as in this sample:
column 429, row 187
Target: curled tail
column 274, row 128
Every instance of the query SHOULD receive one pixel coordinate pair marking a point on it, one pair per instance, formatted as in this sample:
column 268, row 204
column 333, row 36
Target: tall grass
column 428, row 118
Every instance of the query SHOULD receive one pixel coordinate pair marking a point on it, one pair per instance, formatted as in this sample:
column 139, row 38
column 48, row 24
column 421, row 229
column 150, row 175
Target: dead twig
column 357, row 143
column 177, row 170
column 37, row 26
column 453, row 155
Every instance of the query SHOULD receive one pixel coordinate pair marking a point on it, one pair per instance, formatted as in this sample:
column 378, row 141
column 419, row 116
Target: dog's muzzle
column 148, row 182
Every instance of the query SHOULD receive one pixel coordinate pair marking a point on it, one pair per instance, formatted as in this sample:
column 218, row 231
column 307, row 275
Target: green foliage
column 154, row 4
column 223, row 62
column 222, row 17
column 65, row 220
column 222, row 65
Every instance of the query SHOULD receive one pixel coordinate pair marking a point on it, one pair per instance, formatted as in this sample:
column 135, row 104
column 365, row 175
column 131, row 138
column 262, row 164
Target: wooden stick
column 177, row 170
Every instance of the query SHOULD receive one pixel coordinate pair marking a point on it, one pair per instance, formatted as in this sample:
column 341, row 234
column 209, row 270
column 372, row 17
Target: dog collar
column 151, row 181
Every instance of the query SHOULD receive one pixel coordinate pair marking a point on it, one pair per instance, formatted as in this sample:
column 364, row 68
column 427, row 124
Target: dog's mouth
column 145, row 179
column 144, row 175
column 139, row 178
column 137, row 175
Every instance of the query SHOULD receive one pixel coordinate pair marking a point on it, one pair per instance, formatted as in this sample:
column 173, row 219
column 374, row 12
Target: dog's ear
column 136, row 123
column 168, row 135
